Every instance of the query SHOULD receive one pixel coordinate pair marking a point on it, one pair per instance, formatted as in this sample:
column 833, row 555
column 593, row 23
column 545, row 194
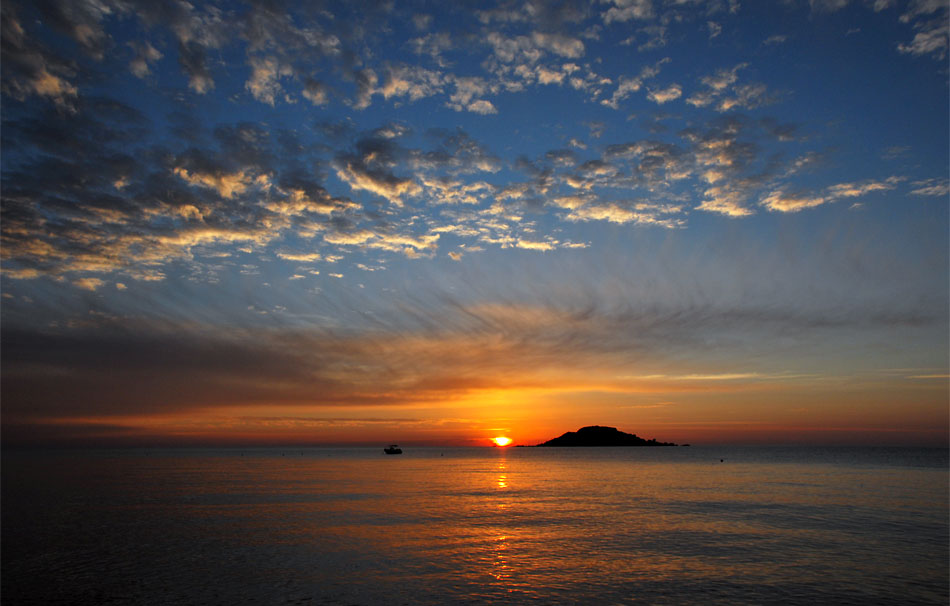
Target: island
column 596, row 435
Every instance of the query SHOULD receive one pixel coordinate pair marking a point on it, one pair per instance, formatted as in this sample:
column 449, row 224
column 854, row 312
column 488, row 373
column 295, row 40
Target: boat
column 392, row 449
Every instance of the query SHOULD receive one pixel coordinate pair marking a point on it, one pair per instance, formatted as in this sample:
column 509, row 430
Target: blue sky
column 346, row 222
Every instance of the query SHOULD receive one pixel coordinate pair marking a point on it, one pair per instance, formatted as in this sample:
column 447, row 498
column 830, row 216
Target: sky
column 432, row 223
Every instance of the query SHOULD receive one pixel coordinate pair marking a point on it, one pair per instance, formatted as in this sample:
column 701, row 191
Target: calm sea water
column 477, row 526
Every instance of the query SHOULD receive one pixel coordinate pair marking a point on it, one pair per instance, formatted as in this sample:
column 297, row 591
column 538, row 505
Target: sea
column 353, row 526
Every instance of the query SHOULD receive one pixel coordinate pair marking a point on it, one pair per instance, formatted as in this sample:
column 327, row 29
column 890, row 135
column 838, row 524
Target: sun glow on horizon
column 501, row 441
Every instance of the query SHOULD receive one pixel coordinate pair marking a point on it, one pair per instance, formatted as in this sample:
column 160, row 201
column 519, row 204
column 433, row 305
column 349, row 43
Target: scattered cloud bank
column 237, row 188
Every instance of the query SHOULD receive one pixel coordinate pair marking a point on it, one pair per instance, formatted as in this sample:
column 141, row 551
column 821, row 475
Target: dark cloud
column 193, row 61
column 366, row 81
column 247, row 144
column 457, row 152
column 561, row 157
column 80, row 20
column 101, row 127
column 30, row 68
column 269, row 26
column 107, row 372
column 336, row 131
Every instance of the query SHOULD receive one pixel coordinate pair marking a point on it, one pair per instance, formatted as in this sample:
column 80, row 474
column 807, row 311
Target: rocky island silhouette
column 596, row 435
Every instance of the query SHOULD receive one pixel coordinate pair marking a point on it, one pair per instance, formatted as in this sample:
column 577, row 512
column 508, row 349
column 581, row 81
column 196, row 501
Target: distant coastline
column 597, row 435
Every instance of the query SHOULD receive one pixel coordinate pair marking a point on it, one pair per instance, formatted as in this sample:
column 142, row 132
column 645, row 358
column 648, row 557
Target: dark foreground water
column 476, row 526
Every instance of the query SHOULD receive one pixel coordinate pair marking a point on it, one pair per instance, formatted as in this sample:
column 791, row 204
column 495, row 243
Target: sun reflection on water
column 502, row 470
column 500, row 567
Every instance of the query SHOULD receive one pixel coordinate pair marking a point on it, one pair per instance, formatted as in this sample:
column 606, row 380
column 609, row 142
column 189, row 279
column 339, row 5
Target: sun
column 501, row 441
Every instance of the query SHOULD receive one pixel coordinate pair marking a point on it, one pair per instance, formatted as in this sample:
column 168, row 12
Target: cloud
column 90, row 284
column 287, row 34
column 31, row 69
column 665, row 95
column 446, row 190
column 411, row 81
column 931, row 187
column 82, row 22
column 208, row 200
column 726, row 200
column 930, row 42
column 535, row 245
column 775, row 39
column 227, row 185
column 300, row 257
column 20, row 273
column 434, row 45
column 919, row 8
column 349, row 238
column 200, row 364
column 433, row 349
column 315, row 92
column 787, row 203
column 625, row 10
column 629, row 85
column 624, row 88
column 263, row 83
column 854, row 190
column 548, row 76
column 191, row 57
column 722, row 92
column 514, row 50
column 656, row 161
column 409, row 245
column 481, row 106
column 370, row 169
column 827, row 6
column 366, row 80
column 379, row 182
column 559, row 44
column 145, row 56
column 929, row 18
column 50, row 85
column 746, row 96
column 168, row 209
column 586, row 208
column 734, row 376
column 782, row 202
column 457, row 152
column 297, row 200
column 723, row 78
column 422, row 21
column 467, row 89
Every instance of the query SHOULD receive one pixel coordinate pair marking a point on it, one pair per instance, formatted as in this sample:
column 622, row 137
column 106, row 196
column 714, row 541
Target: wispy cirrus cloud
column 931, row 187
column 930, row 19
column 786, row 202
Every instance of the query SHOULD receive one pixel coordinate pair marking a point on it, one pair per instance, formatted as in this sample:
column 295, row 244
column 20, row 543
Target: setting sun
column 501, row 441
